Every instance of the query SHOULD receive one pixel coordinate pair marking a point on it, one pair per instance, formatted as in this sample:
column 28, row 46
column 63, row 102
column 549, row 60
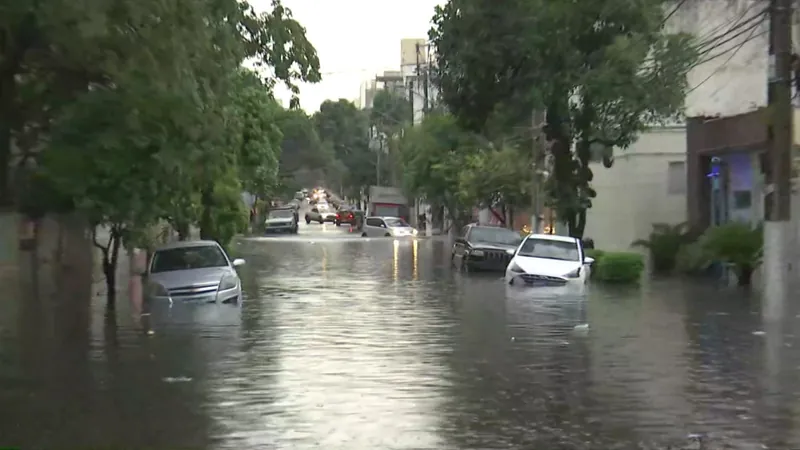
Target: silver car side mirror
column 238, row 262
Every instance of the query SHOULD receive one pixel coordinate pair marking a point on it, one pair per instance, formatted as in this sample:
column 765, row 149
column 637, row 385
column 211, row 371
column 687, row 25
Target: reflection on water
column 370, row 343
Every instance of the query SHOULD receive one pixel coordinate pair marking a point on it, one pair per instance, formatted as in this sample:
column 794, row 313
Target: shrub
column 664, row 243
column 737, row 244
column 693, row 259
column 619, row 267
column 596, row 255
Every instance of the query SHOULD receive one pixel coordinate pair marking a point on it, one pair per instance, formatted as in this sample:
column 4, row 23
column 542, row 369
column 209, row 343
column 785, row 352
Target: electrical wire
column 727, row 61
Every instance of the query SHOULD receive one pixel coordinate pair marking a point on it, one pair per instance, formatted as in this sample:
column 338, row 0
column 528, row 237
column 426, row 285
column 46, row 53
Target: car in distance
column 387, row 227
column 484, row 247
column 281, row 220
column 193, row 272
column 346, row 215
column 321, row 214
column 546, row 260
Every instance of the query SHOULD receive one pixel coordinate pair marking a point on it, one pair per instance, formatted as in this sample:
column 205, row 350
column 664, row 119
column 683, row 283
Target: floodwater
column 352, row 343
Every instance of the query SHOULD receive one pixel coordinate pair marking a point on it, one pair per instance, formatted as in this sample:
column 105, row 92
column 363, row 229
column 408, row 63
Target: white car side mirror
column 588, row 260
column 238, row 262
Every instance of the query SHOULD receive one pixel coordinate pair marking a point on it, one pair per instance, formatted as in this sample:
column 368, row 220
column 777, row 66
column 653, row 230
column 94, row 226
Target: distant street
column 352, row 343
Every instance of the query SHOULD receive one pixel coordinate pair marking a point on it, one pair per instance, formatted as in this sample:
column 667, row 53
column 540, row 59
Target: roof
column 384, row 217
column 187, row 244
column 552, row 237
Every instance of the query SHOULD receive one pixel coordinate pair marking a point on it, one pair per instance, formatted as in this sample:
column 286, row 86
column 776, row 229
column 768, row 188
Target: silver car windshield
column 396, row 223
column 550, row 249
column 188, row 258
column 281, row 214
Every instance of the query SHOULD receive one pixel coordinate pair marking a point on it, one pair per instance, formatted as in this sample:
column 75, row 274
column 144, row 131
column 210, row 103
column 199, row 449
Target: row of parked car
column 542, row 260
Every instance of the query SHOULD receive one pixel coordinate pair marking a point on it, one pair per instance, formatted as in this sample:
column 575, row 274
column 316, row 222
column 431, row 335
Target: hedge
column 616, row 267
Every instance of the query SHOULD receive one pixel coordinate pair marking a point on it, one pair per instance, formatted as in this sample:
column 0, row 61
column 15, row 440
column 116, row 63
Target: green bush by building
column 616, row 267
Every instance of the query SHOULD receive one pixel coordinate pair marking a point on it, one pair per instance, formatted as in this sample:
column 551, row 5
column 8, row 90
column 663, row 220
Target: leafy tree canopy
column 390, row 112
column 433, row 155
column 346, row 129
column 603, row 71
column 136, row 111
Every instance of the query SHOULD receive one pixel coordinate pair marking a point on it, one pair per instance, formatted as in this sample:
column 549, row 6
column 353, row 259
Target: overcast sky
column 355, row 39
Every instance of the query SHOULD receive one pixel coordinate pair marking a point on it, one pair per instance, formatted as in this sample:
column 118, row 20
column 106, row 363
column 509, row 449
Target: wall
column 732, row 79
column 633, row 193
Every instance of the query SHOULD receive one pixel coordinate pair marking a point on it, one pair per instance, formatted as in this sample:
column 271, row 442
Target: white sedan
column 546, row 260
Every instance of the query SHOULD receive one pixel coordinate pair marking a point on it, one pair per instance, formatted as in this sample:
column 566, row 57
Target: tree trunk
column 745, row 276
column 182, row 228
column 580, row 225
column 110, row 261
column 206, row 220
column 7, row 94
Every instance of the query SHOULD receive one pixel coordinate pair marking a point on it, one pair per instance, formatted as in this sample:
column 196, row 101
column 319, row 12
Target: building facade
column 729, row 81
column 645, row 185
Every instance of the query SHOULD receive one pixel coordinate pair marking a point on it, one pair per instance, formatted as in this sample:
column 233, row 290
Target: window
column 373, row 222
column 550, row 249
column 495, row 235
column 394, row 223
column 188, row 258
column 281, row 214
column 742, row 199
column 676, row 178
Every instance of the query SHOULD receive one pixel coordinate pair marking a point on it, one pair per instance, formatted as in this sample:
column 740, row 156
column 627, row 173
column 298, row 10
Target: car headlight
column 476, row 252
column 228, row 282
column 157, row 290
column 574, row 274
column 414, row 232
column 515, row 268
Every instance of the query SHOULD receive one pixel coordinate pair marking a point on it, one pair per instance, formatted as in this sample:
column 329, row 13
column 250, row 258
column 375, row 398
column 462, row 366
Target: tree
column 134, row 112
column 389, row 116
column 602, row 71
column 433, row 155
column 303, row 154
column 496, row 176
column 261, row 137
column 346, row 129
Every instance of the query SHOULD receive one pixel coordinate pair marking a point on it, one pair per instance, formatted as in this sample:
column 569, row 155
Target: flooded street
column 353, row 343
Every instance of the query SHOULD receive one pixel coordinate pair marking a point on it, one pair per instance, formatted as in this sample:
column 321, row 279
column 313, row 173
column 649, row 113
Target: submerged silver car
column 193, row 272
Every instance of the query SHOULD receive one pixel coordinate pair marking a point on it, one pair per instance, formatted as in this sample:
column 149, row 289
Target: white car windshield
column 550, row 249
column 281, row 214
column 188, row 258
column 396, row 223
column 494, row 235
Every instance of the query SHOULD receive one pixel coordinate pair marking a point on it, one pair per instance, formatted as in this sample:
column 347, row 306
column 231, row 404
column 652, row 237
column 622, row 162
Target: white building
column 643, row 187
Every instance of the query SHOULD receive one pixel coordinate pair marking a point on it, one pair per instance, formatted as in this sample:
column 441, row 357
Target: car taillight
column 350, row 216
column 338, row 216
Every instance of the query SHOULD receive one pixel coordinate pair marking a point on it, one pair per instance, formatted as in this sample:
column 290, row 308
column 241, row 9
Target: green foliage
column 260, row 137
column 664, row 243
column 502, row 175
column 737, row 244
column 390, row 112
column 139, row 112
column 302, row 151
column 619, row 267
column 596, row 255
column 433, row 156
column 693, row 258
column 603, row 71
column 345, row 128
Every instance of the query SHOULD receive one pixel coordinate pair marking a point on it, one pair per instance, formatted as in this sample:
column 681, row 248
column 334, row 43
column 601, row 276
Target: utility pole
column 539, row 151
column 777, row 229
column 425, row 106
